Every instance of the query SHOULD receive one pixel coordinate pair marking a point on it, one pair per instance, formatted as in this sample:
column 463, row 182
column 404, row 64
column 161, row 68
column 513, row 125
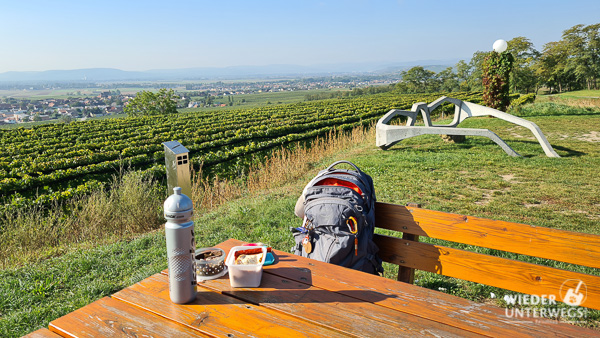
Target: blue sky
column 143, row 35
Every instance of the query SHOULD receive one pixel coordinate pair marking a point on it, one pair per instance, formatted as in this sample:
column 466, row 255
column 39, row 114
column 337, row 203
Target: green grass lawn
column 474, row 178
column 588, row 98
column 582, row 93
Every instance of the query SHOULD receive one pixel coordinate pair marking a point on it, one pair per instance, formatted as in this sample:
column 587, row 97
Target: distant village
column 14, row 110
column 111, row 102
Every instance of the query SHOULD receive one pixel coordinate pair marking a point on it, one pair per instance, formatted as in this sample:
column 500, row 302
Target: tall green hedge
column 496, row 80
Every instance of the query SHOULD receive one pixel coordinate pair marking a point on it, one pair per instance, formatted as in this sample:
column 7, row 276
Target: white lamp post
column 500, row 46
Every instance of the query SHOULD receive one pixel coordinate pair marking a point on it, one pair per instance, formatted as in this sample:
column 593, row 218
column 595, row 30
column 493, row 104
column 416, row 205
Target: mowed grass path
column 475, row 178
column 582, row 93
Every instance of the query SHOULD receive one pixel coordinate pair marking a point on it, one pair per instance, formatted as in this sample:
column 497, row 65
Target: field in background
column 180, row 86
column 260, row 99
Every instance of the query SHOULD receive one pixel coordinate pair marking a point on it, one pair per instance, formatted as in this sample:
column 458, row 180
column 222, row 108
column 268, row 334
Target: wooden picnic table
column 298, row 297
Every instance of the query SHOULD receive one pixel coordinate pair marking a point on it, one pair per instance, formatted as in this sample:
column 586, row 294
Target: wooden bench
column 582, row 250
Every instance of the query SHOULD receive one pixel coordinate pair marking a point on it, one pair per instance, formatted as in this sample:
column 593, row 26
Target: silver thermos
column 181, row 245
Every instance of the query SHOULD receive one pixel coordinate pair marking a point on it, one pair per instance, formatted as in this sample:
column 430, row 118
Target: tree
column 66, row 119
column 150, row 103
column 550, row 67
column 476, row 66
column 420, row 80
column 584, row 45
column 463, row 74
column 522, row 77
column 448, row 80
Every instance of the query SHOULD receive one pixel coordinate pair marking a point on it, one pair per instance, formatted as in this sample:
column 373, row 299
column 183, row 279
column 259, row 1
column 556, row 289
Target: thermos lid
column 178, row 202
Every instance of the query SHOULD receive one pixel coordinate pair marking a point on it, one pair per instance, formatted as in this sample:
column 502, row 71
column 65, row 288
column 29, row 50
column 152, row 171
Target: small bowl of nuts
column 210, row 263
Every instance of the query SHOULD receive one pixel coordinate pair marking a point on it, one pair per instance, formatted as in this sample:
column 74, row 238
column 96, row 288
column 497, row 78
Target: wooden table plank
column 412, row 299
column 109, row 317
column 42, row 333
column 335, row 310
column 217, row 314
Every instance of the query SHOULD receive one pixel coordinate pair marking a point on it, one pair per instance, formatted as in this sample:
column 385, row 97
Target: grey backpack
column 338, row 211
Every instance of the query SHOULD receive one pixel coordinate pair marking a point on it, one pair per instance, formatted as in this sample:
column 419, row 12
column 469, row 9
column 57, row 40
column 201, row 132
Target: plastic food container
column 245, row 275
column 210, row 263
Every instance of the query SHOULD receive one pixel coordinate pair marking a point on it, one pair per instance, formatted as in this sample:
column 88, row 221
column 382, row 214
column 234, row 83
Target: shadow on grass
column 557, row 114
column 469, row 145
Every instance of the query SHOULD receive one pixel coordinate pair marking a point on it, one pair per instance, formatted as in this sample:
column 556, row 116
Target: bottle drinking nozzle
column 181, row 244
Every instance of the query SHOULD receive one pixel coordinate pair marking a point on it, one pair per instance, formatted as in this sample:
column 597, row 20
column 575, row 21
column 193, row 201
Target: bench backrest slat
column 559, row 245
column 485, row 269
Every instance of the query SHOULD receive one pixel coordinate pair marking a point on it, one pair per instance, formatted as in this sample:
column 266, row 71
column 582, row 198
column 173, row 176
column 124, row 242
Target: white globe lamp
column 500, row 46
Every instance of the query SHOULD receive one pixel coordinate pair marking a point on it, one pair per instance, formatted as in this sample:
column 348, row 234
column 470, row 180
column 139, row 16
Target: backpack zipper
column 328, row 257
column 341, row 173
column 324, row 199
column 338, row 201
column 343, row 177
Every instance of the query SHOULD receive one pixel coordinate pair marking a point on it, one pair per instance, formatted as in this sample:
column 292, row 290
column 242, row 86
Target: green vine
column 496, row 71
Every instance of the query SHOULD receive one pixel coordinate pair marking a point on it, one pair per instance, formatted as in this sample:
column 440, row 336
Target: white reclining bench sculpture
column 388, row 135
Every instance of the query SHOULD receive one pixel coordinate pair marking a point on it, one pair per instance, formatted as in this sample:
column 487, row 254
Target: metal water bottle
column 181, row 245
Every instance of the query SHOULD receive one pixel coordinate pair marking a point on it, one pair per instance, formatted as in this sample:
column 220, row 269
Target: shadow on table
column 308, row 296
column 294, row 285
